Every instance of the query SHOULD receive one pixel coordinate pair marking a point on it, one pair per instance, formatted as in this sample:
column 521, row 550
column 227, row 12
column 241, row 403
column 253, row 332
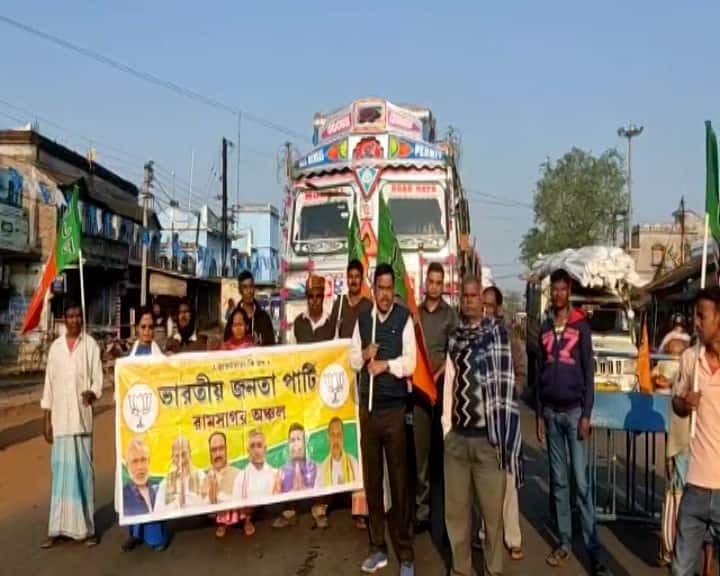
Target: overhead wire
column 153, row 79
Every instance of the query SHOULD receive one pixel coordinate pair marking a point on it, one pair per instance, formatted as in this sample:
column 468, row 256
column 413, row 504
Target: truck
column 604, row 295
column 363, row 151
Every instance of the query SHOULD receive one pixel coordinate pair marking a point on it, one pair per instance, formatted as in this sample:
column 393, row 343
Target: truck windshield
column 607, row 321
column 417, row 216
column 323, row 221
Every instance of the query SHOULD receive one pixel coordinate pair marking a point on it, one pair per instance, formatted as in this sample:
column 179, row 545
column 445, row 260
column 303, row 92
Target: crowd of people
column 453, row 466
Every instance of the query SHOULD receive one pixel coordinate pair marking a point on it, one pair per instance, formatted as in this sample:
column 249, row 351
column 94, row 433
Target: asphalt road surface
column 299, row 551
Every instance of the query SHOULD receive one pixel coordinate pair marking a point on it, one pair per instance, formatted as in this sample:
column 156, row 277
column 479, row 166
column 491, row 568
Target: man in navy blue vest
column 383, row 351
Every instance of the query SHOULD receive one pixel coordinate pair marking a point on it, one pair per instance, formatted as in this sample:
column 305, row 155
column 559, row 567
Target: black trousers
column 385, row 431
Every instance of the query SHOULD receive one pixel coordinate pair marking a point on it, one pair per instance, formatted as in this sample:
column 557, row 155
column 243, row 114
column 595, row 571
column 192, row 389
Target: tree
column 576, row 202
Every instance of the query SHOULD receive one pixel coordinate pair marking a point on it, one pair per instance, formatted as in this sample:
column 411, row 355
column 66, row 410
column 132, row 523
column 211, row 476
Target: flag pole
column 372, row 341
column 84, row 319
column 703, row 279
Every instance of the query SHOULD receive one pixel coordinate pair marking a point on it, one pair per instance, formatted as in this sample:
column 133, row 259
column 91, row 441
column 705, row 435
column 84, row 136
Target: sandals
column 516, row 553
column 320, row 522
column 91, row 541
column 557, row 557
column 284, row 521
column 50, row 542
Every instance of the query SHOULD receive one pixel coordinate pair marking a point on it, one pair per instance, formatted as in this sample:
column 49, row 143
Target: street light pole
column 630, row 131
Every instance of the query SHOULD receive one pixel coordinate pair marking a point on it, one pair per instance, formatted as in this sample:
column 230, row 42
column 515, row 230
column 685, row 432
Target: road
column 25, row 485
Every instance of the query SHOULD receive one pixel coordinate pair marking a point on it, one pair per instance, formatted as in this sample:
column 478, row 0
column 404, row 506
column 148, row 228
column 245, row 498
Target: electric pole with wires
column 224, row 207
column 147, row 185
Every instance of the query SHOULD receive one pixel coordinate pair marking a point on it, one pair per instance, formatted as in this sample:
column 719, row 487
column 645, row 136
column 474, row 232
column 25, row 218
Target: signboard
column 369, row 116
column 413, row 188
column 335, row 152
column 206, row 432
column 409, row 150
column 401, row 121
column 13, row 228
column 161, row 285
column 336, row 125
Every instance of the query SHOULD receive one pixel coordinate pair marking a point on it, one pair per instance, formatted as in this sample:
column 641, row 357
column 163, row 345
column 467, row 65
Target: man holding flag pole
column 698, row 396
column 385, row 352
column 73, row 382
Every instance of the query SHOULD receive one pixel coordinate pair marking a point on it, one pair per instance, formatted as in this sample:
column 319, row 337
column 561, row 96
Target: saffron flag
column 389, row 252
column 66, row 251
column 356, row 251
column 643, row 361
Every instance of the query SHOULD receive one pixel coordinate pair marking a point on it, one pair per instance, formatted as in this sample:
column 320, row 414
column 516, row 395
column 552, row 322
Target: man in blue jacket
column 565, row 394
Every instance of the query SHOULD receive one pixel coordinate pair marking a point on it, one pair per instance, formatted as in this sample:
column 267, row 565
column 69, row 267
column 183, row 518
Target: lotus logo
column 334, row 386
column 140, row 408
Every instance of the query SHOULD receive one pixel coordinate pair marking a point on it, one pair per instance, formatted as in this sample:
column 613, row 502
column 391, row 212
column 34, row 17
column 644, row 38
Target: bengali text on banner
column 205, row 432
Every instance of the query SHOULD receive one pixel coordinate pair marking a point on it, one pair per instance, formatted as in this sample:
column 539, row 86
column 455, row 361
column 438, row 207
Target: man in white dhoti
column 73, row 382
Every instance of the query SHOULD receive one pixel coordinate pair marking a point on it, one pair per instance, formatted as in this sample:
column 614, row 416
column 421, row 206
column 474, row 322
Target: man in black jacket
column 261, row 326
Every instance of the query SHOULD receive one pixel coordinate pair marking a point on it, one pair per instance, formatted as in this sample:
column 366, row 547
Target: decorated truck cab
column 370, row 149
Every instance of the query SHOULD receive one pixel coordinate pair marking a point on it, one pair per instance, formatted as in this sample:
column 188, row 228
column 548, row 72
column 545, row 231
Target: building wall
column 263, row 257
column 663, row 238
column 106, row 236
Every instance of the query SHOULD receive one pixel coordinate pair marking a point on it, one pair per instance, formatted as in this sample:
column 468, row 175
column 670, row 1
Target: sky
column 520, row 81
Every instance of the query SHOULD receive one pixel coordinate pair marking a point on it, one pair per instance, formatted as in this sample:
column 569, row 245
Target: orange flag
column 643, row 361
column 356, row 251
column 34, row 309
column 389, row 252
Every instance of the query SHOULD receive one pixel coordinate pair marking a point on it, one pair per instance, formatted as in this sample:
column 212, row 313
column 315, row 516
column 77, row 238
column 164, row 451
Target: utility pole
column 237, row 183
column 147, row 184
column 288, row 161
column 682, row 230
column 630, row 131
column 223, row 267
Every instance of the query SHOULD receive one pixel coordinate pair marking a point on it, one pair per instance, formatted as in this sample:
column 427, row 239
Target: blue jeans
column 699, row 514
column 561, row 431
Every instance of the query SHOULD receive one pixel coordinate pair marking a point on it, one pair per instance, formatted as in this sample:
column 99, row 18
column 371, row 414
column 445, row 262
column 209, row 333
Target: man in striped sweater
column 481, row 424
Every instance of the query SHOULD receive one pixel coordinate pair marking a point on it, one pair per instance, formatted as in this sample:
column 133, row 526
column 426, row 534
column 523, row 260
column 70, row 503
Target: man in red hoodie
column 565, row 395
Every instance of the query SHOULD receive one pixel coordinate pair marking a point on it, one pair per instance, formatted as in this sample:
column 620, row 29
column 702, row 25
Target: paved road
column 24, row 486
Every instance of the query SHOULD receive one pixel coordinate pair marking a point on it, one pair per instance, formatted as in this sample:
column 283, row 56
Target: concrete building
column 257, row 242
column 191, row 242
column 658, row 248
column 33, row 169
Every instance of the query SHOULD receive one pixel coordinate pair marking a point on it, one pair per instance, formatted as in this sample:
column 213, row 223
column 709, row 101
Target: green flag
column 712, row 201
column 69, row 235
column 388, row 251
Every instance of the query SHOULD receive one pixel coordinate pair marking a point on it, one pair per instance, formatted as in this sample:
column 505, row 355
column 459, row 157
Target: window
column 324, row 221
column 608, row 320
column 416, row 216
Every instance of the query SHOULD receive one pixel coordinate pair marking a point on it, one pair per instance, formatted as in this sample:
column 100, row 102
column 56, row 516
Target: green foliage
column 576, row 202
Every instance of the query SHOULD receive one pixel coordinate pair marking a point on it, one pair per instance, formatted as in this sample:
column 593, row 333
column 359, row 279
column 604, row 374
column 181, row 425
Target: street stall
column 630, row 429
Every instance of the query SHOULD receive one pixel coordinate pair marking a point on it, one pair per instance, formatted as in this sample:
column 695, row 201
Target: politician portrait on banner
column 205, row 432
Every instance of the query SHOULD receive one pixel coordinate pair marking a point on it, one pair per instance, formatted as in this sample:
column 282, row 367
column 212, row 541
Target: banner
column 205, row 432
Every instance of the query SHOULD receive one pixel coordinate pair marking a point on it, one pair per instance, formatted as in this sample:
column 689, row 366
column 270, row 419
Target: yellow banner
column 206, row 432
